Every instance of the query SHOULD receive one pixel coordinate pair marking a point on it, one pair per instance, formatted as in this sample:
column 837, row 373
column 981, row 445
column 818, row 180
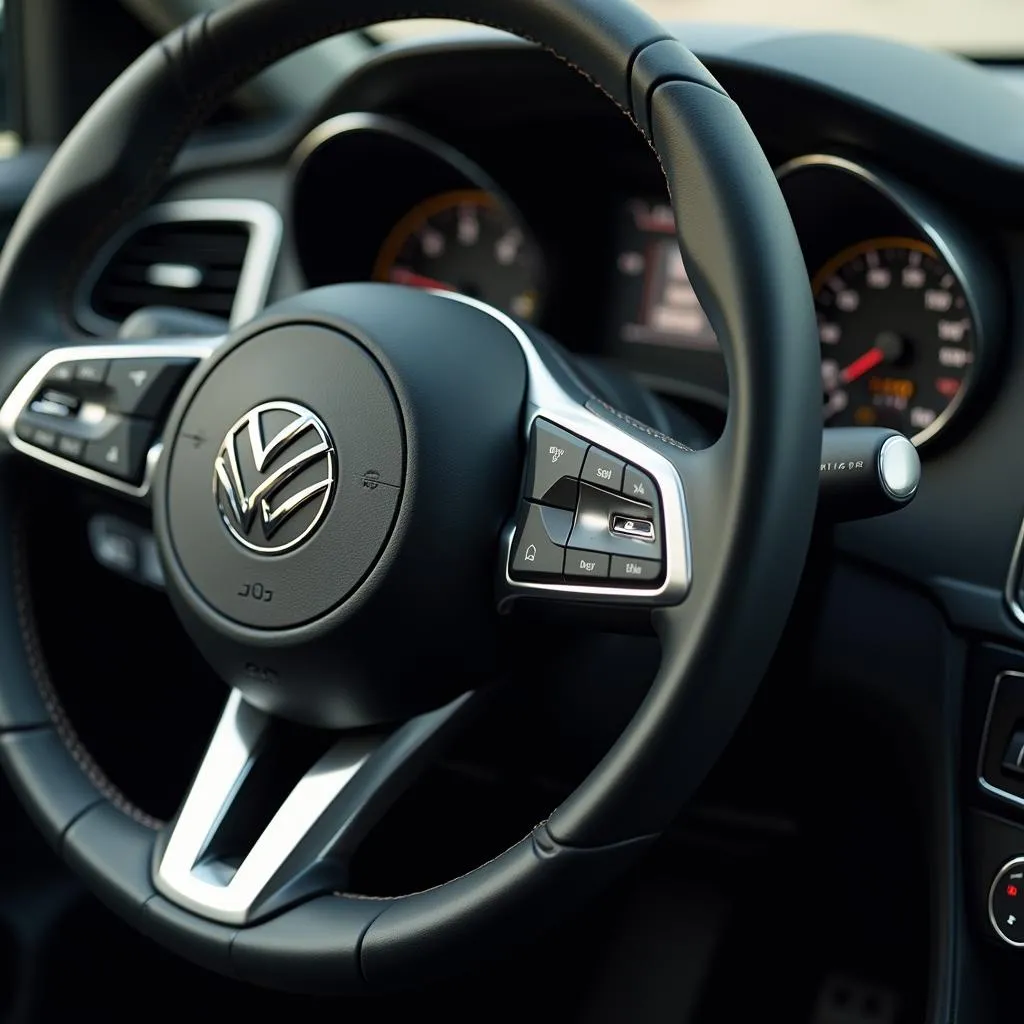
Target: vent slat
column 216, row 249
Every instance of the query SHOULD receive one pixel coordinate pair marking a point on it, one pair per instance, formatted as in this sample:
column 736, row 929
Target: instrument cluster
column 909, row 304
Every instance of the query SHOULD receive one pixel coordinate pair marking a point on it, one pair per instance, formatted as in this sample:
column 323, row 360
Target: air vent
column 209, row 256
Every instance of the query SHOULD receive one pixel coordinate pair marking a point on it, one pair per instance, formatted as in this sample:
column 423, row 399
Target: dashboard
column 908, row 299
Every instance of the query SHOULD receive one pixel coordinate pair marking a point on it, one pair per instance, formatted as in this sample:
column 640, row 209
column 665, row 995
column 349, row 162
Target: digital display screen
column 653, row 302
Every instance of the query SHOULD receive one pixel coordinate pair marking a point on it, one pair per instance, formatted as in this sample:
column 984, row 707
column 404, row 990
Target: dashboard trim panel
column 987, row 786
column 266, row 228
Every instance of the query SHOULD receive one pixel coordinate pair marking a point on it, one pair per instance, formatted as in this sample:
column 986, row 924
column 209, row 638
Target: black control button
column 540, row 534
column 636, row 529
column 92, row 371
column 51, row 402
column 598, row 512
column 71, row 448
column 1006, row 903
column 144, row 387
column 554, row 465
column 639, row 486
column 635, row 570
column 122, row 451
column 603, row 469
column 586, row 565
column 62, row 373
column 33, row 433
column 1013, row 758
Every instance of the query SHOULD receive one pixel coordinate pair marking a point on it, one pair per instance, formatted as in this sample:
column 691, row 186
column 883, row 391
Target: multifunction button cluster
column 587, row 516
column 103, row 414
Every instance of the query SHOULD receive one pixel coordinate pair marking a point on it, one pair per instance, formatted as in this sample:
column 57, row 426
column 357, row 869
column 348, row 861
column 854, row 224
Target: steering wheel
column 351, row 490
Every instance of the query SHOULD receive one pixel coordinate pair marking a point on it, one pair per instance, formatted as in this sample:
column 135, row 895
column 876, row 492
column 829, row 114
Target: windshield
column 978, row 28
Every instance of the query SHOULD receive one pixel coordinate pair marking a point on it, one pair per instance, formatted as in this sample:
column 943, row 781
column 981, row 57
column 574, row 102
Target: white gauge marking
column 830, row 333
column 848, row 300
column 432, row 241
column 469, row 225
column 937, row 300
column 506, row 251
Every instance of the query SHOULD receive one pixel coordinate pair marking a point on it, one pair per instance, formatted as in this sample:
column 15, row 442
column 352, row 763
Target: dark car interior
column 525, row 521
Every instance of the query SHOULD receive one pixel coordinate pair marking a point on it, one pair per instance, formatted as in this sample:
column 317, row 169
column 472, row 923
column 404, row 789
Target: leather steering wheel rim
column 749, row 542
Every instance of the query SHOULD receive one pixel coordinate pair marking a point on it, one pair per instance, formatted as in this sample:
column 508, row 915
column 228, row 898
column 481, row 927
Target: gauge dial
column 897, row 337
column 464, row 242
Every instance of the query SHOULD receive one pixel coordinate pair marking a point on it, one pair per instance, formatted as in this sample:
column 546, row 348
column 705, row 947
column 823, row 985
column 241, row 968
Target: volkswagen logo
column 275, row 476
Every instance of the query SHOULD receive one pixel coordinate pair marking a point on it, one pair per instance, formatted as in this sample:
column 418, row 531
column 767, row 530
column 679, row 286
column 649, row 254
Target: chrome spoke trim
column 304, row 847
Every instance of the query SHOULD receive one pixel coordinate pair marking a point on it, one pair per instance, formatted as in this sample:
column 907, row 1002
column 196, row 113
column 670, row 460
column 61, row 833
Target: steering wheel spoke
column 97, row 411
column 602, row 515
column 251, row 839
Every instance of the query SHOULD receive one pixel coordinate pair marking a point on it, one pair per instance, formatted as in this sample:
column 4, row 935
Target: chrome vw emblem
column 275, row 476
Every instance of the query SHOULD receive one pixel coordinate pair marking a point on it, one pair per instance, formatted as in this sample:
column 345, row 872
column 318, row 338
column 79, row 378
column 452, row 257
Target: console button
column 586, row 565
column 603, row 469
column 598, row 512
column 639, row 486
column 55, row 403
column 554, row 465
column 71, row 448
column 62, row 373
column 540, row 534
column 1006, row 903
column 32, row 433
column 122, row 451
column 635, row 570
column 144, row 387
column 637, row 529
column 92, row 371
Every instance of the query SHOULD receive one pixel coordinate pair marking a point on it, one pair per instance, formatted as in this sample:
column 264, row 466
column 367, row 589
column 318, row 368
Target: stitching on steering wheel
column 40, row 673
column 204, row 102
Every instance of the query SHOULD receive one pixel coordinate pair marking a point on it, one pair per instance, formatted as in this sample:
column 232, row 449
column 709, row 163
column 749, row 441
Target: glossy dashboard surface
column 479, row 158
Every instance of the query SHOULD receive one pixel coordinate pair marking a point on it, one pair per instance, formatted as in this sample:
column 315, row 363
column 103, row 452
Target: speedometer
column 464, row 241
column 897, row 337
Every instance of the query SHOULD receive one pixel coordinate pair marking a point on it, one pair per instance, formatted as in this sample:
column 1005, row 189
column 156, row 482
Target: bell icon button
column 538, row 551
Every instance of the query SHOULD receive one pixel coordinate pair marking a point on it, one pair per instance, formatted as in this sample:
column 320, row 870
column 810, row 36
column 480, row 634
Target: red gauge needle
column 888, row 347
column 399, row 275
column 861, row 365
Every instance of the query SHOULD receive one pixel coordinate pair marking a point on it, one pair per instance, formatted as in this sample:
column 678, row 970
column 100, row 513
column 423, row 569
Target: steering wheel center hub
column 285, row 476
column 330, row 505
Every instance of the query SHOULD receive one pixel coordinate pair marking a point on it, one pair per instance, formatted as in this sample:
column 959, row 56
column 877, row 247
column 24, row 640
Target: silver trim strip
column 911, row 209
column 991, row 896
column 363, row 121
column 32, row 381
column 182, row 875
column 1002, row 794
column 1014, row 577
column 319, row 824
column 265, row 231
column 546, row 398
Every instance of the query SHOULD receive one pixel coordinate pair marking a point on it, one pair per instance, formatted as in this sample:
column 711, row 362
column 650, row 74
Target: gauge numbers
column 464, row 241
column 897, row 337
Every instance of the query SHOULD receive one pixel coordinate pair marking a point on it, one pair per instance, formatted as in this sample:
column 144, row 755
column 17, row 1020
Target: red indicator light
column 947, row 386
column 1011, row 890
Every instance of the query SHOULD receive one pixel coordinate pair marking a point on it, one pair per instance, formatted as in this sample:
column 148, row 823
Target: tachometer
column 897, row 337
column 467, row 242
